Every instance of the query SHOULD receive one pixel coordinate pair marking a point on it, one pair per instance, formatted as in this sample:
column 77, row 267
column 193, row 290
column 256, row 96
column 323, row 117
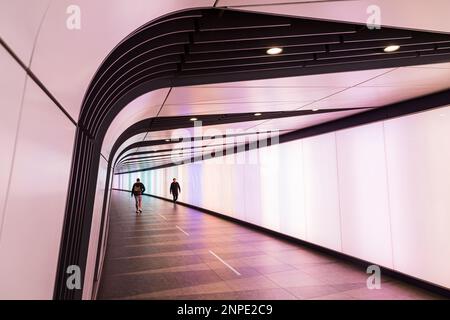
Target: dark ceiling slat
column 169, row 156
column 440, row 51
column 377, row 34
column 248, row 62
column 263, row 67
column 296, row 30
column 258, row 53
column 373, row 52
column 350, row 60
column 262, row 44
column 384, row 43
column 444, row 46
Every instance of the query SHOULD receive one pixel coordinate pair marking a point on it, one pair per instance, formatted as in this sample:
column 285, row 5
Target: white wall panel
column 363, row 194
column 418, row 157
column 19, row 25
column 269, row 172
column 29, row 245
column 252, row 183
column 292, row 190
column 321, row 191
column 12, row 80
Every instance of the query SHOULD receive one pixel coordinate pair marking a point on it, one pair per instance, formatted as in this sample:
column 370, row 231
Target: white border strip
column 231, row 268
column 182, row 230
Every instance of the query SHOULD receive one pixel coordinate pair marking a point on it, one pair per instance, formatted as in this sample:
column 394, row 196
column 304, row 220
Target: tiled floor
column 174, row 252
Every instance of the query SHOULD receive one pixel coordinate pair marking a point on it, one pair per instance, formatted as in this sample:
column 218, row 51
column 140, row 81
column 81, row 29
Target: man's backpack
column 137, row 189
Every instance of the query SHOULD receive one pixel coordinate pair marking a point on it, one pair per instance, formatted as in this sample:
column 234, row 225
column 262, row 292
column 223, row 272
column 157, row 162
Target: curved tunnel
column 212, row 51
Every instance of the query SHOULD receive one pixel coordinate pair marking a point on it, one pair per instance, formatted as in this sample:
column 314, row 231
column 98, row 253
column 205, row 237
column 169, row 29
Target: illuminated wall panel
column 363, row 192
column 253, row 185
column 210, row 175
column 225, row 198
column 321, row 191
column 239, row 189
column 418, row 158
column 270, row 173
column 292, row 190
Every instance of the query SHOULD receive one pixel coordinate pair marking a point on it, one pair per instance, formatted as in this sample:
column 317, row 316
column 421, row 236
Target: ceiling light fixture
column 314, row 110
column 391, row 48
column 193, row 119
column 257, row 114
column 274, row 50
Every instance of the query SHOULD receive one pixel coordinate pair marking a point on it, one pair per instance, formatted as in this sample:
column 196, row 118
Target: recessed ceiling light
column 167, row 140
column 257, row 114
column 193, row 119
column 274, row 50
column 391, row 48
column 315, row 110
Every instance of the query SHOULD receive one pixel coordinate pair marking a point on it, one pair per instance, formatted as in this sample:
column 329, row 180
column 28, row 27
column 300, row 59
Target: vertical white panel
column 238, row 195
column 207, row 184
column 418, row 153
column 228, row 184
column 95, row 230
column 292, row 192
column 12, row 79
column 34, row 215
column 252, row 185
column 321, row 191
column 364, row 194
column 269, row 172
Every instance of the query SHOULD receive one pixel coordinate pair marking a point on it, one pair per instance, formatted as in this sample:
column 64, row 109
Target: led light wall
column 379, row 192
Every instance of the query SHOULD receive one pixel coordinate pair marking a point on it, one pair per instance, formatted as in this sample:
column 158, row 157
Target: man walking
column 137, row 191
column 174, row 189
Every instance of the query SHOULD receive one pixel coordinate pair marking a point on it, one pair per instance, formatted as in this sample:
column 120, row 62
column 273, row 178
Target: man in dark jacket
column 137, row 191
column 174, row 189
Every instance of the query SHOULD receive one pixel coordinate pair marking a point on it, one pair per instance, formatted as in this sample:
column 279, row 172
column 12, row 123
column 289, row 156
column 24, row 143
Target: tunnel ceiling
column 220, row 45
column 224, row 45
